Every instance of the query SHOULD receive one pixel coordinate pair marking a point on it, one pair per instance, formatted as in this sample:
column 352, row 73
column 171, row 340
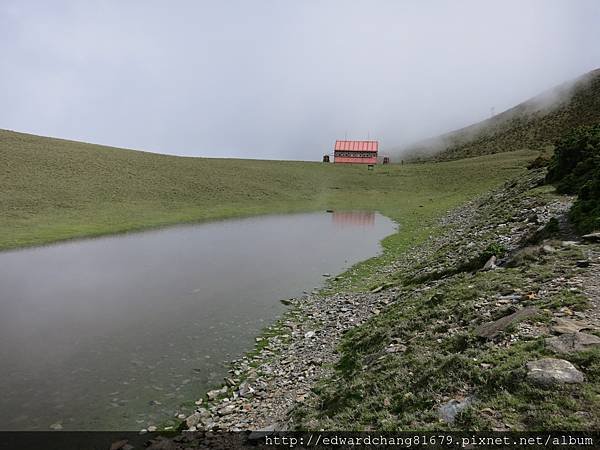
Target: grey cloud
column 280, row 79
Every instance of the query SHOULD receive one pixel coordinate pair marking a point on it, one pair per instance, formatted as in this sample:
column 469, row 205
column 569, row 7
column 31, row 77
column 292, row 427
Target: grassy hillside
column 52, row 189
column 534, row 124
column 451, row 345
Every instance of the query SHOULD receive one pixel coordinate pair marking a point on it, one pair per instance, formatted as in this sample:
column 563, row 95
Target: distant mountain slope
column 533, row 124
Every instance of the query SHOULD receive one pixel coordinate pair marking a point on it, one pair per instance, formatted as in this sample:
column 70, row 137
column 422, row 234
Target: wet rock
column 203, row 412
column 56, row 426
column 572, row 342
column 212, row 395
column 152, row 428
column 550, row 371
column 193, row 420
column 448, row 411
column 491, row 329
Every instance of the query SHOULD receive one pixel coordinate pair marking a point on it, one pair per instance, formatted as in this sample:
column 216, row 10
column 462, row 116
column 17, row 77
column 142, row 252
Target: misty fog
column 280, row 80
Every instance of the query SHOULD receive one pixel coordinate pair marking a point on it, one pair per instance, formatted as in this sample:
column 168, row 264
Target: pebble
column 212, row 395
column 227, row 410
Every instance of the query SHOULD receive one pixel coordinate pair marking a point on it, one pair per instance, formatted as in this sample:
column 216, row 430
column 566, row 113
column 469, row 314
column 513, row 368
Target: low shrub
column 575, row 169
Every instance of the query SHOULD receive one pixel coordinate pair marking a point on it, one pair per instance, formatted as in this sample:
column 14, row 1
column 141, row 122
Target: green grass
column 374, row 390
column 443, row 358
column 53, row 189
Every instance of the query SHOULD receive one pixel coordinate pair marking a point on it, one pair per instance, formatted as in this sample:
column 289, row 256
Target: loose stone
column 550, row 371
column 572, row 342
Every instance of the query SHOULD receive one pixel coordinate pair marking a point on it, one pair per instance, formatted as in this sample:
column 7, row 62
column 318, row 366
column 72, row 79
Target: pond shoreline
column 272, row 388
column 265, row 386
column 290, row 356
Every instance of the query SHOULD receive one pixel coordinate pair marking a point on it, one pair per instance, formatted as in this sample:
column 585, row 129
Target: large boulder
column 567, row 326
column 550, row 371
column 572, row 342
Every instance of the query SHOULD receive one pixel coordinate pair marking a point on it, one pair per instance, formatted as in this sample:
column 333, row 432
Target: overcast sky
column 280, row 79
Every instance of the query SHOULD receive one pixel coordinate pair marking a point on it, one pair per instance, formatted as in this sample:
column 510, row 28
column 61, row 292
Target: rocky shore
column 518, row 223
column 263, row 388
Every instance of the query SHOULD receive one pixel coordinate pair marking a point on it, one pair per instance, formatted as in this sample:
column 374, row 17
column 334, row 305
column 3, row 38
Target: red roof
column 357, row 146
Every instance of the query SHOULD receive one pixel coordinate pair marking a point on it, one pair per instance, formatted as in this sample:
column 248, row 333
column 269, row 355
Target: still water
column 117, row 332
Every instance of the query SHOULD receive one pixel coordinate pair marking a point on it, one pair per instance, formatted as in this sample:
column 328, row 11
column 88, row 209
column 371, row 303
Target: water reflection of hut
column 326, row 158
column 354, row 218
